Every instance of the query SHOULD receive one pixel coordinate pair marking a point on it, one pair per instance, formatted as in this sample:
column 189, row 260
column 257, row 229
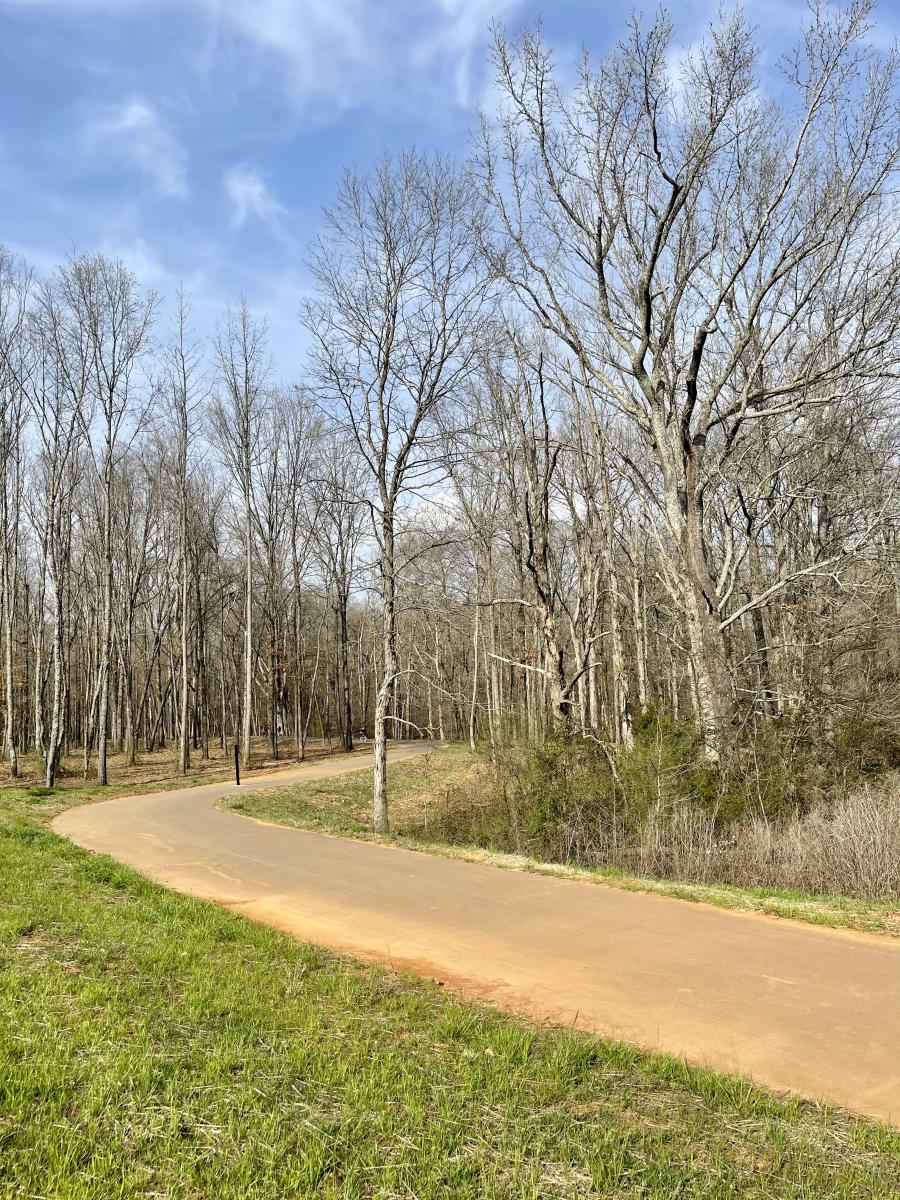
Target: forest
column 592, row 464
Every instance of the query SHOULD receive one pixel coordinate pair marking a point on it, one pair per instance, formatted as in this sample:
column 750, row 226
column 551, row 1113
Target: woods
column 596, row 429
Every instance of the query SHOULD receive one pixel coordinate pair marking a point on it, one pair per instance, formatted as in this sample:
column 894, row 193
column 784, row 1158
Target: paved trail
column 799, row 1008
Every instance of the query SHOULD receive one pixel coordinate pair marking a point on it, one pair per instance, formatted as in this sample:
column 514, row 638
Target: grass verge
column 156, row 1045
column 342, row 805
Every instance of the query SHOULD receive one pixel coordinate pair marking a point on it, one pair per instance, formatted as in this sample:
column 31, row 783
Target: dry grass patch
column 159, row 767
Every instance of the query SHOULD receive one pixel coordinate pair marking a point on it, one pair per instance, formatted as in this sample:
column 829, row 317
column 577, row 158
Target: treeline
column 601, row 422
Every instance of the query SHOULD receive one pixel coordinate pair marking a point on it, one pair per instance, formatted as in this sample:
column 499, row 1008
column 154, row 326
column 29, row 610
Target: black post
column 237, row 765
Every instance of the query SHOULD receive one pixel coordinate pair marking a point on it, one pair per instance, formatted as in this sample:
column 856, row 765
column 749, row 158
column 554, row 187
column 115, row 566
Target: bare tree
column 401, row 293
column 304, row 500
column 709, row 257
column 15, row 283
column 185, row 393
column 237, row 415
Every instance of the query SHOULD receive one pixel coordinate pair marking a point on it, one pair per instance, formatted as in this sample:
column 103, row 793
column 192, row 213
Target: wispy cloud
column 343, row 53
column 458, row 35
column 133, row 134
column 249, row 195
column 333, row 55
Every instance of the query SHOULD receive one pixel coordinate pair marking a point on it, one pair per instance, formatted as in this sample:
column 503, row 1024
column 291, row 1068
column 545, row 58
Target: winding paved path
column 799, row 1008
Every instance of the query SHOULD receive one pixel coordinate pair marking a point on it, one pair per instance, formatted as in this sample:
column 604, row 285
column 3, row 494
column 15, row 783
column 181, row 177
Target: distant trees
column 57, row 416
column 603, row 424
column 101, row 321
column 342, row 519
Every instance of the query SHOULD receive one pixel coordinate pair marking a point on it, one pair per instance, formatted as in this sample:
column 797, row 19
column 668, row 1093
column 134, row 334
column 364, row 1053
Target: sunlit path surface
column 801, row 1009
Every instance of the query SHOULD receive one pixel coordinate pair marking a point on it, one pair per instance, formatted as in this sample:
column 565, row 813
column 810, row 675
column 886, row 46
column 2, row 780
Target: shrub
column 851, row 849
column 866, row 744
column 660, row 810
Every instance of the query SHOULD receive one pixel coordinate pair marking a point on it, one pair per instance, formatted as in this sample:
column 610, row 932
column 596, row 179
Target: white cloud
column 133, row 134
column 317, row 45
column 249, row 195
column 457, row 38
column 343, row 53
column 332, row 55
column 140, row 258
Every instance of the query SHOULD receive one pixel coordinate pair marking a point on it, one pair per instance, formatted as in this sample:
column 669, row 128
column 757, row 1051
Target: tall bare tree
column 184, row 392
column 401, row 293
column 709, row 256
column 15, row 367
column 237, row 414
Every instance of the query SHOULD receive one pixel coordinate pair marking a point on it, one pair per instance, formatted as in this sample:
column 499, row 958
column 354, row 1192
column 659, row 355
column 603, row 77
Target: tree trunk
column 379, row 799
column 346, row 680
column 56, row 719
column 389, row 674
column 639, row 624
column 9, row 667
column 8, row 584
column 706, row 643
column 248, row 638
column 473, row 705
column 106, row 631
column 184, row 746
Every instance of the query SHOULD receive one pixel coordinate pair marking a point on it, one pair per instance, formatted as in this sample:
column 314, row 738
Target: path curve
column 799, row 1008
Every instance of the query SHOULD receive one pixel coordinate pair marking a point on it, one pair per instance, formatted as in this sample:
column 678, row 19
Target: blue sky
column 199, row 139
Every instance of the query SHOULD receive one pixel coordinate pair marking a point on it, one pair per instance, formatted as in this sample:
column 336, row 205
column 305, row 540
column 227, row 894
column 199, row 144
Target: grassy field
column 152, row 1045
column 343, row 805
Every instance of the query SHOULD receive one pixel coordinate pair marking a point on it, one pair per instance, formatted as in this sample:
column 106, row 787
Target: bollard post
column 237, row 766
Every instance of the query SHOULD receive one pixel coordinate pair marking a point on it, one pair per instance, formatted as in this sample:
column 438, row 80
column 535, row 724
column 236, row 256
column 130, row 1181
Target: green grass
column 71, row 795
column 342, row 805
column 839, row 912
column 152, row 1045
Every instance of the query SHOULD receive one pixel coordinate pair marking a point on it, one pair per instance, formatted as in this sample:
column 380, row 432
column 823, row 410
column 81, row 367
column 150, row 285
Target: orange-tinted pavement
column 798, row 1008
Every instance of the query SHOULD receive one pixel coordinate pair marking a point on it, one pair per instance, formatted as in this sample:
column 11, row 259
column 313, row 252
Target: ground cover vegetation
column 152, row 1044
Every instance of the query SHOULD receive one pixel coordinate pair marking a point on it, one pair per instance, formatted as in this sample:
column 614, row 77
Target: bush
column 666, row 769
column 867, row 745
column 660, row 810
